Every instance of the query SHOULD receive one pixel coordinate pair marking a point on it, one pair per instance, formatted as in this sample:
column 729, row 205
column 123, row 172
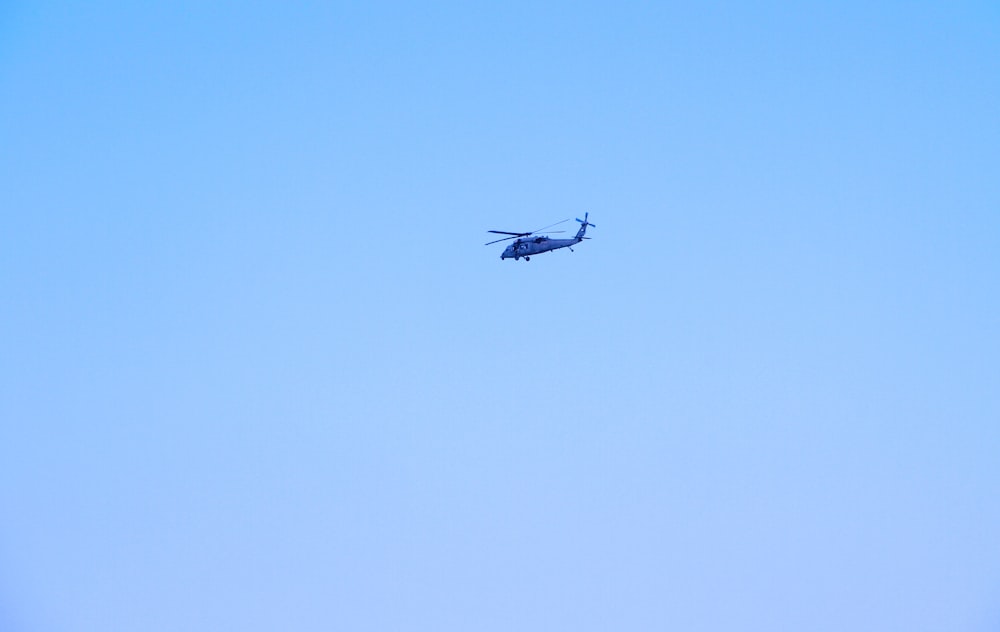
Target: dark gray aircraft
column 526, row 245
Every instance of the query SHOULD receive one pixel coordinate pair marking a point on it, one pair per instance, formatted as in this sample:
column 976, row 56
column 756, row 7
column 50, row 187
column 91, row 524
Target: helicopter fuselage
column 527, row 246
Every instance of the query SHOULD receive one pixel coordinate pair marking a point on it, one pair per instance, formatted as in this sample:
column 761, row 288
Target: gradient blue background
column 258, row 371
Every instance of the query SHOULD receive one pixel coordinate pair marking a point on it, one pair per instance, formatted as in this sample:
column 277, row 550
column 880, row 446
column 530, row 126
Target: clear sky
column 258, row 371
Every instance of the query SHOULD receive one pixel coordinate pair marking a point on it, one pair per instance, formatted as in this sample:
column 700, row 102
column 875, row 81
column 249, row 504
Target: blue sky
column 259, row 371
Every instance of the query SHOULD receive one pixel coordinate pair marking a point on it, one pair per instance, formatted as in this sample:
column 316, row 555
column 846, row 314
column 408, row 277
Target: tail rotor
column 583, row 226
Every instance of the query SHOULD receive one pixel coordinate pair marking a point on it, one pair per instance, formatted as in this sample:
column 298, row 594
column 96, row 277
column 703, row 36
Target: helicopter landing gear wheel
column 527, row 258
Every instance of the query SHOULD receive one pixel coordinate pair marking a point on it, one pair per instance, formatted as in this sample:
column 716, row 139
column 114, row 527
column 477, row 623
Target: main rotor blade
column 516, row 235
column 537, row 230
column 505, row 238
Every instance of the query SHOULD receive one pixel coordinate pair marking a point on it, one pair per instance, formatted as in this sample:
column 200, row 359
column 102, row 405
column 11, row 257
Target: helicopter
column 525, row 245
